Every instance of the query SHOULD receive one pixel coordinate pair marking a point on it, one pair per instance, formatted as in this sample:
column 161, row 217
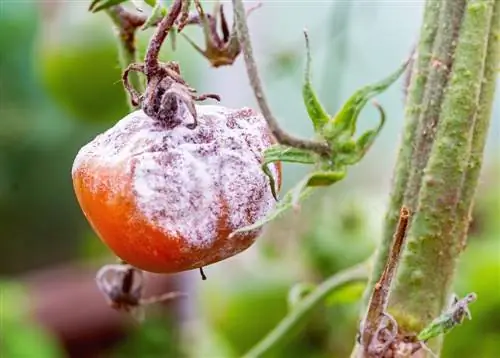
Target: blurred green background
column 60, row 86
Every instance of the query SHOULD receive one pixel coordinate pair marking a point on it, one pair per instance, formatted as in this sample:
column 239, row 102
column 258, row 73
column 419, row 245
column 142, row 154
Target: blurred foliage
column 20, row 336
column 155, row 338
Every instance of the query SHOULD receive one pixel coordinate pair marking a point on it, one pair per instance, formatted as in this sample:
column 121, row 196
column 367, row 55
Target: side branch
column 255, row 82
column 284, row 331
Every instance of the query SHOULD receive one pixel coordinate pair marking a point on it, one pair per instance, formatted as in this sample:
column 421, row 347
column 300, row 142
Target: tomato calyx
column 168, row 96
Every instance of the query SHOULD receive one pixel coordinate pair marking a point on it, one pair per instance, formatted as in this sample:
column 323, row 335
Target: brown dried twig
column 374, row 336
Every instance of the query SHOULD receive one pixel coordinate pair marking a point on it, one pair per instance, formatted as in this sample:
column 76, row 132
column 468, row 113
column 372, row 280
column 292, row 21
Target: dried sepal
column 220, row 49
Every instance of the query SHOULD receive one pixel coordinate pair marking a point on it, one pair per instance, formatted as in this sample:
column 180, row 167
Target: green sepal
column 315, row 179
column 98, row 5
column 158, row 13
column 283, row 153
column 363, row 144
column 366, row 140
column 317, row 113
column 344, row 122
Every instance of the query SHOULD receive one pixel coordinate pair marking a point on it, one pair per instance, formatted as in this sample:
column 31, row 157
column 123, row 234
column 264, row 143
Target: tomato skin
column 166, row 200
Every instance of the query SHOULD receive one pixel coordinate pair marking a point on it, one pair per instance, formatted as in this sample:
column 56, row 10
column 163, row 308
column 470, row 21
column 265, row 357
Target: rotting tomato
column 164, row 199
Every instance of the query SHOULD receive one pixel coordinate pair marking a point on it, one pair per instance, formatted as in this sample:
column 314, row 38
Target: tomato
column 167, row 200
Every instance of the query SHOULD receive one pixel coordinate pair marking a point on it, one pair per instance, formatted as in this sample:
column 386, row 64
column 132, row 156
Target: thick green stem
column 422, row 285
column 290, row 325
column 481, row 126
column 402, row 170
column 450, row 19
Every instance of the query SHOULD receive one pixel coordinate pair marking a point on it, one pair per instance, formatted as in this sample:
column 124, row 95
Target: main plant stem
column 423, row 283
column 419, row 74
column 438, row 167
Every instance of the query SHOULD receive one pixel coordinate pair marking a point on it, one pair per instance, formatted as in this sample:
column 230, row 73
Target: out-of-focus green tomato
column 18, row 22
column 78, row 65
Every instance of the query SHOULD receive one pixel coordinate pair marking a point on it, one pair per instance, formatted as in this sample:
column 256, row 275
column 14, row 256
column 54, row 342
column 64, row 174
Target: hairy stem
column 422, row 285
column 450, row 19
column 290, row 325
column 255, row 82
column 481, row 126
column 402, row 170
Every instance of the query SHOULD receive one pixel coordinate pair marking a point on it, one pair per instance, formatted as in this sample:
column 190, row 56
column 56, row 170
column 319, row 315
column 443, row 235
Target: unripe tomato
column 166, row 200
column 77, row 61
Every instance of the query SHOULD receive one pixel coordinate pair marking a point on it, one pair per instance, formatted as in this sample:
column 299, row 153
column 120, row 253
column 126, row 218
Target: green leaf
column 453, row 317
column 315, row 179
column 158, row 13
column 98, row 5
column 316, row 112
column 298, row 193
column 282, row 153
column 344, row 122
